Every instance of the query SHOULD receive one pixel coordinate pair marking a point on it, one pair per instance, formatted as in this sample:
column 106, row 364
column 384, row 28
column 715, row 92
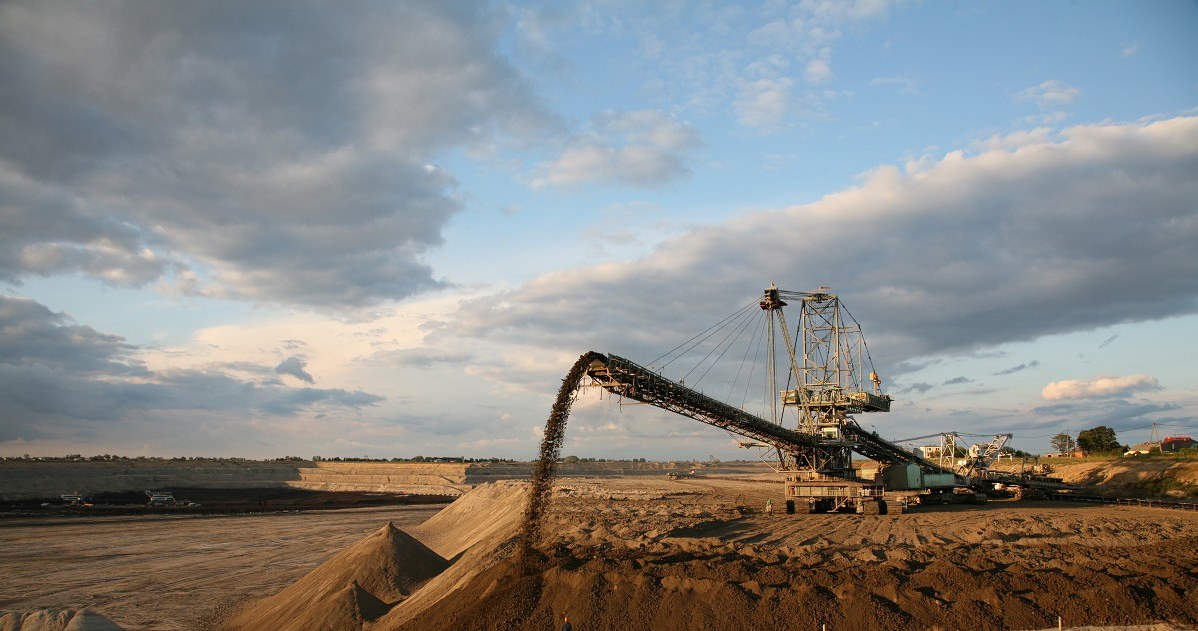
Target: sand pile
column 478, row 531
column 1136, row 477
column 384, row 580
column 490, row 513
column 1143, row 627
column 651, row 561
column 668, row 560
column 677, row 562
column 672, row 583
column 52, row 620
column 358, row 585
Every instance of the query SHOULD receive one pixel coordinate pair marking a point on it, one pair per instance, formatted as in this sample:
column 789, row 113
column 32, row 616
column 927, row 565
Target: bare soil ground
column 163, row 573
column 700, row 553
column 213, row 501
column 1144, row 476
column 619, row 553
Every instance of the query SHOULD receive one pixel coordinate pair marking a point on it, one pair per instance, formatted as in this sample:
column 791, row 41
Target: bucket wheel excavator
column 811, row 433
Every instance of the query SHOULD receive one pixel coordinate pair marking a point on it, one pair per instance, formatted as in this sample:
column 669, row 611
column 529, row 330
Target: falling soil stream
column 546, row 467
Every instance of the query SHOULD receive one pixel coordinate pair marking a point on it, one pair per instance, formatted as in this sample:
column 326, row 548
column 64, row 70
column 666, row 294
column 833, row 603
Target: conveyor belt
column 1125, row 501
column 874, row 447
column 629, row 379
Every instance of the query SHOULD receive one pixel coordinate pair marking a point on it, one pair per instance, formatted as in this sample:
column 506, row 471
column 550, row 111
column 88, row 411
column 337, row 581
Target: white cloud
column 846, row 9
column 1048, row 94
column 642, row 148
column 905, row 84
column 256, row 153
column 58, row 378
column 1013, row 141
column 1099, row 387
column 765, row 103
column 765, row 72
column 819, row 69
column 945, row 258
column 1047, row 118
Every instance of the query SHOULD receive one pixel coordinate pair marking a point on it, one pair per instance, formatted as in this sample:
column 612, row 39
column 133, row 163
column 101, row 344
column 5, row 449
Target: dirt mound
column 690, row 555
column 387, row 578
column 52, row 620
column 1171, row 477
column 477, row 531
column 676, row 562
column 1145, row 627
column 1138, row 477
column 361, row 583
column 964, row 587
column 487, row 513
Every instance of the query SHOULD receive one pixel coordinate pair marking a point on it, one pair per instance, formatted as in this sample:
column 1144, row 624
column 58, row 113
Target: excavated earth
column 702, row 554
column 615, row 553
column 1167, row 477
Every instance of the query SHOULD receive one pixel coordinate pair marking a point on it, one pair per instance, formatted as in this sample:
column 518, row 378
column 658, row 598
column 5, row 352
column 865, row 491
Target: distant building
column 1074, row 454
column 1177, row 443
column 1143, row 449
column 930, row 452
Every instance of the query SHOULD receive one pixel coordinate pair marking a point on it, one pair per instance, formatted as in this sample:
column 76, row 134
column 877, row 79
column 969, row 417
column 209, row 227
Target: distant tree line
column 413, row 459
column 1096, row 441
column 116, row 458
column 576, row 459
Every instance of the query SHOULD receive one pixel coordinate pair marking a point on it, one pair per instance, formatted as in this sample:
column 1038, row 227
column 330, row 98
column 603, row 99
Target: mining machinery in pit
column 830, row 381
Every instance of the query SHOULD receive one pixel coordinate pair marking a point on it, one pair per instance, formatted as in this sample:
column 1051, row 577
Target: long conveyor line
column 629, row 379
column 1124, row 501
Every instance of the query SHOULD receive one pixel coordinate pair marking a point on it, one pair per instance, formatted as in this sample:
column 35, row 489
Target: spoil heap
column 385, row 580
column 478, row 532
column 51, row 620
column 672, row 559
column 669, row 564
column 358, row 585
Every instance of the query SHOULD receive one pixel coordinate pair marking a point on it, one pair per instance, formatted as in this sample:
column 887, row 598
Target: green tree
column 1097, row 440
column 1063, row 443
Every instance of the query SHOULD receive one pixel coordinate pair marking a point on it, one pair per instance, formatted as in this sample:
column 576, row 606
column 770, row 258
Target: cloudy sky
column 388, row 229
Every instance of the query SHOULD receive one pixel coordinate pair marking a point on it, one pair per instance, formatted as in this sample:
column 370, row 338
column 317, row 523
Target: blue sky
column 389, row 229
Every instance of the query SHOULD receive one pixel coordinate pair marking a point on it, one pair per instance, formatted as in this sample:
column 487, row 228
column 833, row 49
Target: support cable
column 754, row 344
column 698, row 338
column 725, row 344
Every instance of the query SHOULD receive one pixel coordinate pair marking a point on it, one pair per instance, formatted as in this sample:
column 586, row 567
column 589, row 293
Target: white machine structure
column 809, row 430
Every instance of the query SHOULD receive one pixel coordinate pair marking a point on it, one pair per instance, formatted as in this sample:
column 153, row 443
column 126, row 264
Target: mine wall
column 25, row 479
column 1168, row 476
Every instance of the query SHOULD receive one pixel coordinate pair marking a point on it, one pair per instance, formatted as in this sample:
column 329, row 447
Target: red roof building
column 1177, row 443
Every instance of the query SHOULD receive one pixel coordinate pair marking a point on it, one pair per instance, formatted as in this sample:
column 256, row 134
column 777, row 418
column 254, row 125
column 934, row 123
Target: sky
column 387, row 229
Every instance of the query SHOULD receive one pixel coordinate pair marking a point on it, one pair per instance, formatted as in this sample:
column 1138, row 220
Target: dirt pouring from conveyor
column 546, row 468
